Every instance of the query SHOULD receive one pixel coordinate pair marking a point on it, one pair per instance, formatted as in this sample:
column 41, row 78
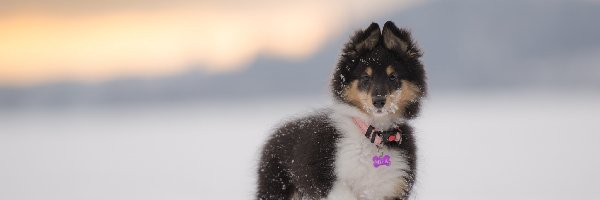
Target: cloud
column 98, row 40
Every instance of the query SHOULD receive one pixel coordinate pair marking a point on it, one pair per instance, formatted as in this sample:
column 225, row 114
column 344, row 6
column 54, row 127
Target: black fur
column 298, row 159
column 299, row 156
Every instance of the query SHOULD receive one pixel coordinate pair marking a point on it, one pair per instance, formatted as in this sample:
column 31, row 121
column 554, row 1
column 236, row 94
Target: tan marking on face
column 369, row 71
column 389, row 70
column 407, row 94
column 395, row 103
column 358, row 98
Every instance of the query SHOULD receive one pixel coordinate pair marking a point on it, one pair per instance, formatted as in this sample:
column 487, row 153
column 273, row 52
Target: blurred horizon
column 508, row 45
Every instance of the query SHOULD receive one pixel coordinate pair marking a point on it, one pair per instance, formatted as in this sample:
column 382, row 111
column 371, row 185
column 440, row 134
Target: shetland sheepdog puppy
column 362, row 146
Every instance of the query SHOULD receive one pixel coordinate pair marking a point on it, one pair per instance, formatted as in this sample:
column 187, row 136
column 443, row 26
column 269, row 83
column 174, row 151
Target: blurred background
column 149, row 99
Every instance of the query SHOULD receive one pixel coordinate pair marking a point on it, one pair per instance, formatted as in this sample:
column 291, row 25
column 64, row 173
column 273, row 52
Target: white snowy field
column 485, row 146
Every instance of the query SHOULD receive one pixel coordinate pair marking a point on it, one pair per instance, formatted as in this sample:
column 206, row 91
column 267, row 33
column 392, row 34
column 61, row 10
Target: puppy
column 361, row 147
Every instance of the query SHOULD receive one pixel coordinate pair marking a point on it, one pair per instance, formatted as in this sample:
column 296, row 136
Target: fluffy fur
column 324, row 155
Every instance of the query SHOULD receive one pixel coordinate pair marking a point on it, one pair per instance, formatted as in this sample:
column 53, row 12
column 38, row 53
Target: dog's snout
column 378, row 101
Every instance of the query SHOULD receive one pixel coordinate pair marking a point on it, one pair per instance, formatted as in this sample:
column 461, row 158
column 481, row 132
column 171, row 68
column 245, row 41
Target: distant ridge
column 467, row 45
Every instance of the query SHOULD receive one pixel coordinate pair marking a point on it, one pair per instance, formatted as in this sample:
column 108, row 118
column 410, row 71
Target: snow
column 486, row 146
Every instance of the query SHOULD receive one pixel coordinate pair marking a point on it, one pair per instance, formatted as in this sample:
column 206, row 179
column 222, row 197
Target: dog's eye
column 393, row 77
column 365, row 78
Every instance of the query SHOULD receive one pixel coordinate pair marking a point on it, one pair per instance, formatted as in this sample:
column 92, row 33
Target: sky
column 93, row 40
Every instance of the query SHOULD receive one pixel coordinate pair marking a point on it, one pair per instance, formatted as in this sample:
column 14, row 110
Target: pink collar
column 376, row 136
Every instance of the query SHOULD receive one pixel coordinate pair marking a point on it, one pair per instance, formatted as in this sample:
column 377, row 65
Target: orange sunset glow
column 50, row 44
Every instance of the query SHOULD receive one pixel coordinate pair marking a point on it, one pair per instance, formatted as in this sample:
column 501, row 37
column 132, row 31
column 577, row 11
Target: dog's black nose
column 378, row 101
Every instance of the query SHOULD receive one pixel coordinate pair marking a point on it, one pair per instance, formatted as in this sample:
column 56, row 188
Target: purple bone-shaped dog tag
column 384, row 160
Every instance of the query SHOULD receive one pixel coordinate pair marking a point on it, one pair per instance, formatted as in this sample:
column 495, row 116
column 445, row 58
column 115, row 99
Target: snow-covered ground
column 486, row 146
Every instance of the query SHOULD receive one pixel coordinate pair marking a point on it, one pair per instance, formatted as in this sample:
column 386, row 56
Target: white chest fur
column 356, row 177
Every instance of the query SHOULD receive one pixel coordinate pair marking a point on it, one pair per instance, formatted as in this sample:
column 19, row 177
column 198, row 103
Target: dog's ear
column 367, row 39
column 399, row 40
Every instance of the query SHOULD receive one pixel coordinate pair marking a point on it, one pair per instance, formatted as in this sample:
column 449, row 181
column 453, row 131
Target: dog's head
column 380, row 73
